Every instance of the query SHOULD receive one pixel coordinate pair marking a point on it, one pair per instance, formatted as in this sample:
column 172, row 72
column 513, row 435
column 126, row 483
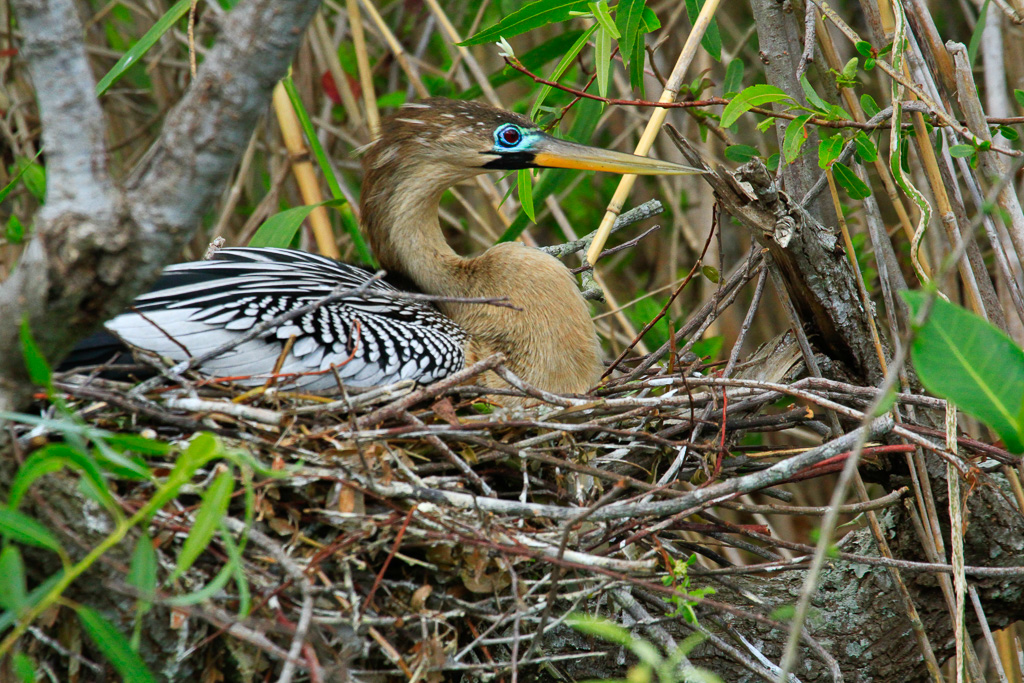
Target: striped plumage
column 547, row 335
column 371, row 338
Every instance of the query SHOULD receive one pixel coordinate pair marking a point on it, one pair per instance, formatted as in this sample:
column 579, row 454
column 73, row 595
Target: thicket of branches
column 761, row 487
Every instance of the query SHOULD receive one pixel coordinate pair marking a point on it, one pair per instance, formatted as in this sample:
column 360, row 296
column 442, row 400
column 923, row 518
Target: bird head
column 458, row 139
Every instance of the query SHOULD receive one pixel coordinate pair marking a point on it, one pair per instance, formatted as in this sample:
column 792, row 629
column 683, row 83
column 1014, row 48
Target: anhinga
column 376, row 338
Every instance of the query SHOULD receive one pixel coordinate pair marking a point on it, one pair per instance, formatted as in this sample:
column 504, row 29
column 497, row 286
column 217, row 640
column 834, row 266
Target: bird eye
column 508, row 135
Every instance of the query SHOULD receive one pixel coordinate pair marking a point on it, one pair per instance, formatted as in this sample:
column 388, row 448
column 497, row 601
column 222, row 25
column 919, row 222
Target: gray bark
column 97, row 244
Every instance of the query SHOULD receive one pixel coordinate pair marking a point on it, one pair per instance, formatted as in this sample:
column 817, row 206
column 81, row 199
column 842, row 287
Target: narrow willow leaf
column 313, row 140
column 711, row 40
column 636, row 67
column 754, row 96
column 279, row 230
column 628, row 14
column 829, row 149
column 13, row 589
column 848, row 180
column 46, row 460
column 560, row 70
column 602, row 628
column 525, row 185
column 114, row 646
column 796, row 136
column 530, row 16
column 38, row 369
column 603, row 16
column 979, row 29
column 533, row 60
column 147, row 41
column 23, row 529
column 215, row 585
column 603, row 60
column 26, row 169
column 211, row 512
column 963, row 358
column 142, row 570
column 733, row 78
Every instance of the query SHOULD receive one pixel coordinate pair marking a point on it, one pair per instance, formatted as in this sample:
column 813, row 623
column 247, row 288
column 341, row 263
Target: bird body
column 547, row 335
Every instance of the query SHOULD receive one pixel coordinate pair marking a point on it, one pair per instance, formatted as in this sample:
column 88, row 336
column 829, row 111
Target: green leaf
column 863, row 47
column 628, row 14
column 338, row 197
column 212, row 510
column 867, row 103
column 649, row 22
column 813, row 97
column 961, row 150
column 29, row 172
column 601, row 628
column 279, row 230
column 711, row 40
column 114, row 646
column 13, row 589
column 530, row 16
column 46, row 460
column 1006, row 131
column 963, row 358
column 142, row 570
column 849, row 72
column 829, row 149
column 733, row 78
column 15, row 232
column 866, row 150
column 525, row 184
column 754, row 96
column 560, row 70
column 25, row 668
column 139, row 444
column 636, row 66
column 23, row 529
column 533, row 60
column 38, row 369
column 603, row 16
column 741, row 153
column 23, row 168
column 979, row 29
column 603, row 59
column 848, row 180
column 147, row 41
column 1019, row 96
column 796, row 136
column 214, row 586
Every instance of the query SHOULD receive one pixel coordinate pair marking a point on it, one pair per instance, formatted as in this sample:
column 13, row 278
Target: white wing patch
column 368, row 339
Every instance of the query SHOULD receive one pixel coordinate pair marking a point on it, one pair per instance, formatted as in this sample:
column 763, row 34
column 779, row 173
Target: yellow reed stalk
column 305, row 175
column 672, row 86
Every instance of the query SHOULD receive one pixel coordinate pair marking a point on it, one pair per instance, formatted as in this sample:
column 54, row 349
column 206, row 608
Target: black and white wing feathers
column 370, row 339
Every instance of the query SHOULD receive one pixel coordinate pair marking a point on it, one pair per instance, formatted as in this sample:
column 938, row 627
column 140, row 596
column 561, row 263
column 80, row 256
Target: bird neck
column 402, row 225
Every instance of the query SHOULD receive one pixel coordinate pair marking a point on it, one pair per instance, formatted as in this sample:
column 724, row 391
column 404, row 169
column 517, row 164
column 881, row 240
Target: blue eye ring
column 508, row 136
